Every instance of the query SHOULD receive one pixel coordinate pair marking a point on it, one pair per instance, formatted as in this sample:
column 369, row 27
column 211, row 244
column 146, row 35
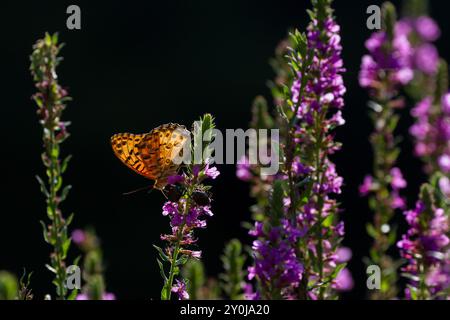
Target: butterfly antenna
column 138, row 190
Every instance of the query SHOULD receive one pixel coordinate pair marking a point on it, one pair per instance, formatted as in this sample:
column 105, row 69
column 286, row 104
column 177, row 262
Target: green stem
column 57, row 223
column 319, row 178
column 169, row 283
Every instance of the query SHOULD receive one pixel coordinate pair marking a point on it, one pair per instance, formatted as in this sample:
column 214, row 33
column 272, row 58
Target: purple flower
column 180, row 289
column 446, row 103
column 211, row 172
column 396, row 61
column 444, row 185
column 427, row 28
column 78, row 236
column 109, row 296
column 426, row 248
column 175, row 179
column 106, row 296
column 397, row 181
column 249, row 293
column 344, row 254
column 82, row 296
column 243, row 171
column 397, row 201
column 431, row 132
column 170, row 208
column 444, row 163
column 427, row 58
column 344, row 281
column 422, row 108
column 366, row 186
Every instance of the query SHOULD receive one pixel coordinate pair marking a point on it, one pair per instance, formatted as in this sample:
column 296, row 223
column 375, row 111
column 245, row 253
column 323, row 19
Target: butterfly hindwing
column 125, row 147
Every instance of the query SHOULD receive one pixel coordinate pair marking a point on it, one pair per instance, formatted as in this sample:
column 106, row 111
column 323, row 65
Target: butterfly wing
column 152, row 155
column 126, row 147
column 171, row 141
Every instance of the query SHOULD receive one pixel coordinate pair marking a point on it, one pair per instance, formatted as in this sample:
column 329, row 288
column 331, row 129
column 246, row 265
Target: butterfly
column 152, row 154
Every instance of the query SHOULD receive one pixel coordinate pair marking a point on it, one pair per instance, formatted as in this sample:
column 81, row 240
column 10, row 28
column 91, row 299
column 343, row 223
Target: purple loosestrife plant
column 50, row 99
column 187, row 207
column 94, row 287
column 317, row 99
column 420, row 31
column 431, row 133
column 384, row 71
column 426, row 248
column 428, row 88
column 297, row 227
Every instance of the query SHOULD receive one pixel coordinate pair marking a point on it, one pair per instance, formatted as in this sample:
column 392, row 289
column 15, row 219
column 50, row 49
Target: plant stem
column 169, row 284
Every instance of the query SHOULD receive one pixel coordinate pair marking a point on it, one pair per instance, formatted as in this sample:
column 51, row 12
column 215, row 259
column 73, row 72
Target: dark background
column 135, row 65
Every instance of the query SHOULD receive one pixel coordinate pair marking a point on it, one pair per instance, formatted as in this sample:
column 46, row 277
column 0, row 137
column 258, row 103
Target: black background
column 135, row 65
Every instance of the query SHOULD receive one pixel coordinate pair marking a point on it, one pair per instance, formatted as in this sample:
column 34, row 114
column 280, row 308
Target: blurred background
column 135, row 65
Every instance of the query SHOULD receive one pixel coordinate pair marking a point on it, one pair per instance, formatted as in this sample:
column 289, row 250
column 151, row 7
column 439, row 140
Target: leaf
column 70, row 219
column 371, row 231
column 42, row 186
column 44, row 231
column 392, row 237
column 65, row 192
column 161, row 269
column 73, row 294
column 276, row 203
column 413, row 292
column 328, row 221
column 164, row 295
column 337, row 270
column 163, row 256
column 65, row 163
column 65, row 247
column 53, row 270
column 76, row 261
column 182, row 260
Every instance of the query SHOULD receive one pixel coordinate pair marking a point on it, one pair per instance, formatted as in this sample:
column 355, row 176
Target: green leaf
column 73, row 294
column 337, row 270
column 328, row 221
column 276, row 203
column 70, row 219
column 65, row 247
column 182, row 260
column 371, row 231
column 164, row 295
column 44, row 231
column 413, row 292
column 161, row 269
column 55, row 38
column 65, row 163
column 65, row 192
column 163, row 256
column 42, row 186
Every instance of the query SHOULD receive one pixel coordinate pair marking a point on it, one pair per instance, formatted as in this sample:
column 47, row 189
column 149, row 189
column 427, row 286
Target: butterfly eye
column 201, row 198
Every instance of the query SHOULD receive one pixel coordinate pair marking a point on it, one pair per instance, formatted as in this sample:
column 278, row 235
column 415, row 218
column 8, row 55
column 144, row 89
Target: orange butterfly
column 152, row 154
